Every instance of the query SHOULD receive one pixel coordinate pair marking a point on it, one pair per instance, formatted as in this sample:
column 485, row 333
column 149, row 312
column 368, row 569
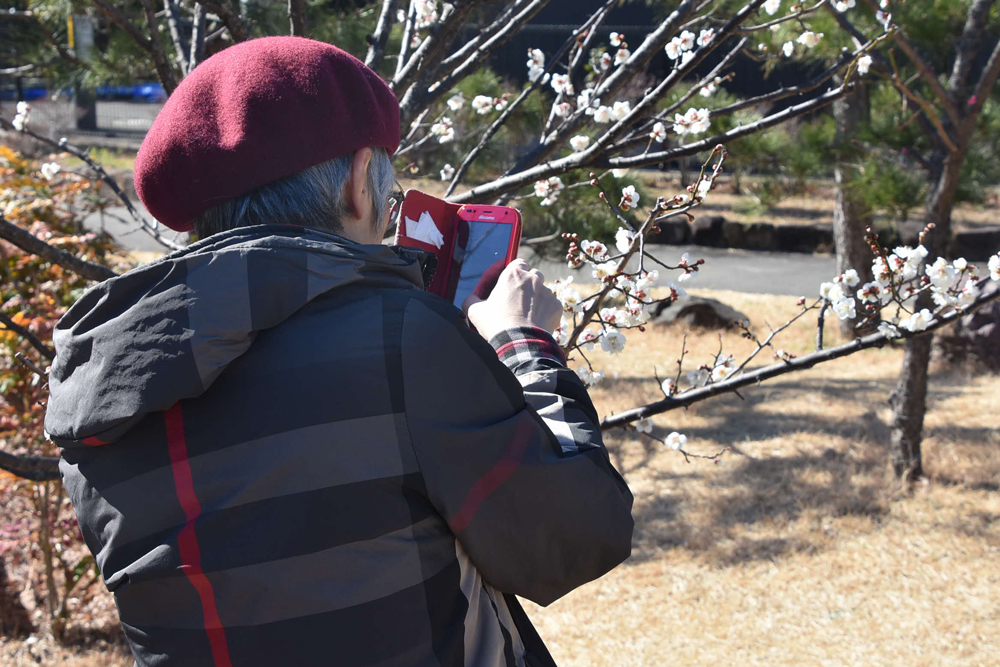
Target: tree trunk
column 909, row 398
column 851, row 214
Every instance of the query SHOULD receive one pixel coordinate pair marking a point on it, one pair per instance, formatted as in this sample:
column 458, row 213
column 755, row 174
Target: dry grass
column 799, row 548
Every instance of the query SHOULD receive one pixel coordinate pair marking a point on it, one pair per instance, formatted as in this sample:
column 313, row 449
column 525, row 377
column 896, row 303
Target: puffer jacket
column 282, row 451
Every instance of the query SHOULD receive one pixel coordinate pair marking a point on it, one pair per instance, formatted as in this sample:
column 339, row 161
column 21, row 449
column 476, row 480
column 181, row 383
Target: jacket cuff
column 521, row 344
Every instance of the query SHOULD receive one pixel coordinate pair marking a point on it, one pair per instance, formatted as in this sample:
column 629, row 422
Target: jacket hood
column 142, row 341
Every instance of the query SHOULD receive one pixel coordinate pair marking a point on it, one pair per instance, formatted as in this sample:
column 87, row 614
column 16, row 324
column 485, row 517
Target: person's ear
column 359, row 200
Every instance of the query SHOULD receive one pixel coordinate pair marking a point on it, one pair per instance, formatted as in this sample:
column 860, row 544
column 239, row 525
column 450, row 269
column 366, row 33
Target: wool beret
column 254, row 113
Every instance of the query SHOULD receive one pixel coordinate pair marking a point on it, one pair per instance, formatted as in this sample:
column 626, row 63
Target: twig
column 788, row 365
column 820, row 324
column 31, row 366
column 27, row 335
column 31, row 244
column 376, row 47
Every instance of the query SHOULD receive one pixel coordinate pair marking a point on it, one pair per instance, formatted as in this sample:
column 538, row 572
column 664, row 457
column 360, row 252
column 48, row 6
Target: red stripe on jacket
column 496, row 476
column 187, row 540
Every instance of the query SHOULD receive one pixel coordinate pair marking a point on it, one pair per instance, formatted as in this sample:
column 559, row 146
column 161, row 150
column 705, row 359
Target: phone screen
column 483, row 257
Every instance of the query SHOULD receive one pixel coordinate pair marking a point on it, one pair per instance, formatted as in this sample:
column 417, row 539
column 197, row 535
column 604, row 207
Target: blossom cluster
column 21, row 117
column 695, row 121
column 549, row 189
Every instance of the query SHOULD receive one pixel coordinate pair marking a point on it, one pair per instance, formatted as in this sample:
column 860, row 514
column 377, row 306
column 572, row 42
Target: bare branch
column 24, row 332
column 232, row 20
column 376, row 47
column 984, row 88
column 31, row 244
column 928, row 76
column 297, row 18
column 34, row 468
column 968, row 49
column 785, row 366
column 788, row 17
column 62, row 145
column 176, row 33
column 197, row 36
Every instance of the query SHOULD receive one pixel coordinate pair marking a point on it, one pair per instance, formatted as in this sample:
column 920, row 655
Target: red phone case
column 446, row 217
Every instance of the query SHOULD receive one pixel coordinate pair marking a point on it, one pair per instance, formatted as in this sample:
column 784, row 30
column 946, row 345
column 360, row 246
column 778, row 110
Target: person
column 280, row 448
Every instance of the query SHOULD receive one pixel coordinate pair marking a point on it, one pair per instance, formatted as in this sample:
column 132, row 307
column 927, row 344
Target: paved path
column 792, row 274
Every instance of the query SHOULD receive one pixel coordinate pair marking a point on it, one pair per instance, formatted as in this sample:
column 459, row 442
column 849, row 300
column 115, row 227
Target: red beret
column 256, row 112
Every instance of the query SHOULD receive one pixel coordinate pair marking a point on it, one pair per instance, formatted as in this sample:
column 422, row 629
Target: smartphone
column 473, row 242
column 486, row 241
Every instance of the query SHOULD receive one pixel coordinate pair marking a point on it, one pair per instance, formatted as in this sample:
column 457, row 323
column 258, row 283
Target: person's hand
column 520, row 299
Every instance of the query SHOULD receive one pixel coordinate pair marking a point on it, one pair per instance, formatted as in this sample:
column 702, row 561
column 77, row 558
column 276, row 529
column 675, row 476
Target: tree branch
column 232, row 21
column 297, row 18
column 968, row 49
column 176, row 34
column 928, row 76
column 785, row 366
column 376, row 47
column 30, row 243
column 34, row 468
column 197, row 36
column 984, row 88
column 26, row 333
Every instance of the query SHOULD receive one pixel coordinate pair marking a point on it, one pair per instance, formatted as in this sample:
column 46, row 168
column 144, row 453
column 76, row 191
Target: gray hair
column 313, row 197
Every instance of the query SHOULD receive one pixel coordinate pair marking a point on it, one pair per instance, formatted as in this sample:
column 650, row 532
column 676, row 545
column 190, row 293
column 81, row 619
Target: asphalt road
column 791, row 274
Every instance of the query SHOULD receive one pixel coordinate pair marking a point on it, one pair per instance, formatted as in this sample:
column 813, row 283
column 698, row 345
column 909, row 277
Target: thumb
column 470, row 301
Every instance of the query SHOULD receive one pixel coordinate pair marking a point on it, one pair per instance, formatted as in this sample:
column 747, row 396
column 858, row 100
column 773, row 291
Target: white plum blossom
column 630, row 198
column 604, row 270
column 888, row 330
column 447, row 172
column 549, row 201
column 23, row 108
column 620, row 110
column 788, row 49
column 967, row 296
column 619, row 173
column 585, row 98
column 427, row 13
column 646, row 280
column 623, row 237
column 695, row 121
column 686, row 57
column 809, row 39
column 535, row 64
column 705, row 37
column 687, row 40
column 621, row 56
column 918, row 321
column 613, row 341
column 605, row 61
column 960, row 264
column 562, row 110
column 602, row 115
column 501, row 104
column 724, row 367
column 658, row 133
column 850, row 277
column 21, row 117
column 455, row 102
column 561, row 84
column 874, row 292
column 703, row 188
column 673, row 49
column 676, row 440
column 845, row 308
column 644, row 425
column 579, row 142
column 444, row 130
column 595, row 249
column 843, row 5
column 708, row 89
column 589, row 378
column 831, row 291
column 616, row 39
column 49, row 170
column 772, row 7
column 669, row 387
column 482, row 104
column 994, row 267
column 864, row 64
column 941, row 274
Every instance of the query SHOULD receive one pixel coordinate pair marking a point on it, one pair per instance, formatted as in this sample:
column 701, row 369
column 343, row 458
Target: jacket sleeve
column 509, row 447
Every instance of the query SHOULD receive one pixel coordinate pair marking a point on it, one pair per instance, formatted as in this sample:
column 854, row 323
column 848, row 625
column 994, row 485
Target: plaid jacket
column 282, row 451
